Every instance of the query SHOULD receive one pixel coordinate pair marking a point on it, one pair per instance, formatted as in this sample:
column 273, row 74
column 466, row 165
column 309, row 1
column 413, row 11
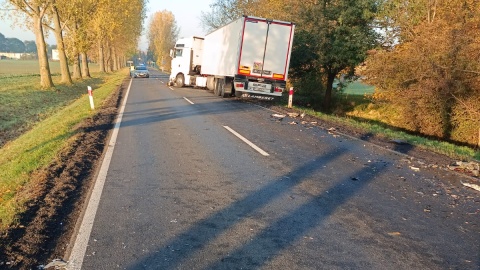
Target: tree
column 162, row 34
column 432, row 76
column 14, row 45
column 335, row 36
column 3, row 46
column 225, row 11
column 54, row 13
column 35, row 11
column 30, row 46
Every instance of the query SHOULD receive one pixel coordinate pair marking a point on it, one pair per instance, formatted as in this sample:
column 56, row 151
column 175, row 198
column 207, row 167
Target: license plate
column 261, row 87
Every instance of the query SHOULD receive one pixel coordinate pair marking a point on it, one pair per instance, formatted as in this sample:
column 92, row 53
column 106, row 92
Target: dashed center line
column 247, row 141
column 188, row 100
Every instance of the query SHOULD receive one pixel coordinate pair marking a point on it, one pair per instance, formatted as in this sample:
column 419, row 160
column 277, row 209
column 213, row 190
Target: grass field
column 14, row 68
column 358, row 88
column 36, row 124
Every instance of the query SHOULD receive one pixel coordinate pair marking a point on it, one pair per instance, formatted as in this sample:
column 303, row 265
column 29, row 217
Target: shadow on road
column 278, row 235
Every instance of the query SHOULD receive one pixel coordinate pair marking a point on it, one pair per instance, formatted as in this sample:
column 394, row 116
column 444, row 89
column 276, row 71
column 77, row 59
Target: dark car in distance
column 140, row 72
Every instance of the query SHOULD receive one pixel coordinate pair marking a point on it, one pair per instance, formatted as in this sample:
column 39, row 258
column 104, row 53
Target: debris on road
column 474, row 186
column 278, row 116
column 394, row 233
column 293, row 123
column 462, row 166
column 416, row 169
column 293, row 115
column 57, row 264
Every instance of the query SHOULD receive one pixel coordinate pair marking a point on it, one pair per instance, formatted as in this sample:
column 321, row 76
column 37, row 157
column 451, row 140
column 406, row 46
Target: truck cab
column 186, row 61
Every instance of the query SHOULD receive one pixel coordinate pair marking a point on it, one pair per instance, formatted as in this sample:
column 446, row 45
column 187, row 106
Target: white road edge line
column 171, row 88
column 247, row 141
column 77, row 254
column 188, row 100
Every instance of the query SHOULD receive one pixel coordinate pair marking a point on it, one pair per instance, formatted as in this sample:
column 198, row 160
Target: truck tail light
column 278, row 89
column 239, row 85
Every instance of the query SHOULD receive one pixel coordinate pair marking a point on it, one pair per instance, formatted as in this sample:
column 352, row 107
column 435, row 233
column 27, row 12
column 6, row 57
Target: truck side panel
column 220, row 50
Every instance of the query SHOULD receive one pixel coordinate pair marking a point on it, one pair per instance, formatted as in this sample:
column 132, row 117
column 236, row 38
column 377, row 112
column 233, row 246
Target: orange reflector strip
column 244, row 71
column 278, row 76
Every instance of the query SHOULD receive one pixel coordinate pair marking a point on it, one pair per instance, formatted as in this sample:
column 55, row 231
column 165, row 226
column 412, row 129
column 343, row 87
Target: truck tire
column 216, row 86
column 226, row 94
column 211, row 83
column 180, row 81
column 219, row 87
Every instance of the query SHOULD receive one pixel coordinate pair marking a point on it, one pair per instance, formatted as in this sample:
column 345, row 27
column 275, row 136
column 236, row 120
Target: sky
column 187, row 14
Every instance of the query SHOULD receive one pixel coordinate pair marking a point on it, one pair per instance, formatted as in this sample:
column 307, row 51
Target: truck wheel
column 219, row 85
column 226, row 94
column 180, row 81
column 211, row 83
column 215, row 88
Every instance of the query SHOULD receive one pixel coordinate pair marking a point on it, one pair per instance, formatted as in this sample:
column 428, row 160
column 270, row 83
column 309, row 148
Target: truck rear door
column 266, row 48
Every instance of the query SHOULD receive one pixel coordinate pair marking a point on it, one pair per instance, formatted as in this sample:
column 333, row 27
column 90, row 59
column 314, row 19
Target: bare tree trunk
column 66, row 78
column 327, row 102
column 45, row 75
column 77, row 74
column 115, row 59
column 101, row 57
column 85, row 69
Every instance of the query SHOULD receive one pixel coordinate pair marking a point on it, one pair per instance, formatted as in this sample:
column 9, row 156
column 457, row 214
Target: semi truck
column 248, row 56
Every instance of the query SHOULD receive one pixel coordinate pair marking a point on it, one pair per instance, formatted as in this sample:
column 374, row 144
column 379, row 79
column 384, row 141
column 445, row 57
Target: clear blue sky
column 187, row 14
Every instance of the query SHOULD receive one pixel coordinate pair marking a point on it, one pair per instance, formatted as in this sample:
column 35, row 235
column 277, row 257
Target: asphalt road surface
column 184, row 192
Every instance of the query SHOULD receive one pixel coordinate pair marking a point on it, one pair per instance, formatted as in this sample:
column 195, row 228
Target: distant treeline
column 15, row 45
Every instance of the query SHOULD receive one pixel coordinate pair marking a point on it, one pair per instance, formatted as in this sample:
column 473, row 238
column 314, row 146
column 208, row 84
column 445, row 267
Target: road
column 182, row 191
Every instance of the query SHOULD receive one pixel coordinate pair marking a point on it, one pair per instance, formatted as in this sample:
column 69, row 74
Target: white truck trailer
column 249, row 55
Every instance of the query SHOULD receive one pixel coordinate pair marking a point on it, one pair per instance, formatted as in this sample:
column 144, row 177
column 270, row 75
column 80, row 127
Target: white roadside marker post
column 290, row 97
column 90, row 96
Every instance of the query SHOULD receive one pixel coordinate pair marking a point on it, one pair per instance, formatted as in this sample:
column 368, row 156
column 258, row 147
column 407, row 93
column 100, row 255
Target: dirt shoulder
column 59, row 194
column 62, row 190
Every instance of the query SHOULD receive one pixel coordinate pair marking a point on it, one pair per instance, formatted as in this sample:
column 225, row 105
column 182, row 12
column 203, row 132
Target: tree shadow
column 276, row 236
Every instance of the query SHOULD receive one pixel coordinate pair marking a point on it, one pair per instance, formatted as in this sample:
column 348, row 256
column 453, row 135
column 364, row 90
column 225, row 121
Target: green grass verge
column 38, row 147
column 445, row 148
column 23, row 104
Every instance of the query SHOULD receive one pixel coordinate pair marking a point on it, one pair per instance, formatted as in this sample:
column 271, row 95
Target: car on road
column 140, row 72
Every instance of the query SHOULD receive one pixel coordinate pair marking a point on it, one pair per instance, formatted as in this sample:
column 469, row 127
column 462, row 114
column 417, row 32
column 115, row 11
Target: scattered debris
column 278, row 116
column 57, row 263
column 416, row 169
column 474, row 186
column 293, row 123
column 394, row 233
column 293, row 115
column 354, row 178
column 462, row 166
column 302, row 115
column 332, row 129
